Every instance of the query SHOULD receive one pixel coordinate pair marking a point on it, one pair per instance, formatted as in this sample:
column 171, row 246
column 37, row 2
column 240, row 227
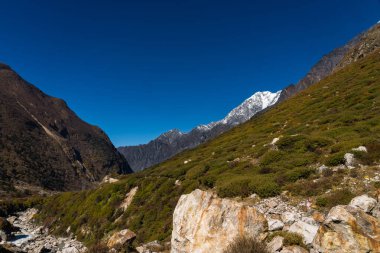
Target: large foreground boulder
column 204, row 223
column 348, row 229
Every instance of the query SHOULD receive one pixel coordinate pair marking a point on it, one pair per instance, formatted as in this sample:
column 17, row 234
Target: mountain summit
column 174, row 141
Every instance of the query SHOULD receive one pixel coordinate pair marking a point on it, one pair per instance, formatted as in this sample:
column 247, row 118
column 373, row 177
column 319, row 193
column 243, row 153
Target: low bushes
column 339, row 197
column 246, row 245
column 289, row 238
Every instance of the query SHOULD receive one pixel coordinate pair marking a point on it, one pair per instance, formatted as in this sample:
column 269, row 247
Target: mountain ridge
column 174, row 141
column 45, row 144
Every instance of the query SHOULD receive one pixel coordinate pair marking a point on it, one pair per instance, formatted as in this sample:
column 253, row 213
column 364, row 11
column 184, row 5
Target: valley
column 294, row 171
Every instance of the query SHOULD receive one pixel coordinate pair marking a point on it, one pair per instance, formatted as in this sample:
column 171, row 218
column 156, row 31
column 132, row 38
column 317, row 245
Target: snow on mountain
column 174, row 141
column 252, row 105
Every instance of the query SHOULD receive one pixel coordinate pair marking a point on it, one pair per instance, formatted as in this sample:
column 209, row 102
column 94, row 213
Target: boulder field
column 203, row 222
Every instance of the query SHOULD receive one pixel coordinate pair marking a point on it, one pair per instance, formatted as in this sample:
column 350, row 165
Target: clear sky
column 139, row 68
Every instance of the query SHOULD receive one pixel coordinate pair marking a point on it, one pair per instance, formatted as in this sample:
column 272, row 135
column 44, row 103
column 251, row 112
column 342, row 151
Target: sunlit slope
column 317, row 126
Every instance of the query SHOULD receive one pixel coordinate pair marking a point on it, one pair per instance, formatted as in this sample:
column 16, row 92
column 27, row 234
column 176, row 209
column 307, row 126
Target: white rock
column 128, row 198
column 204, row 223
column 321, row 168
column 274, row 224
column 275, row 244
column 307, row 231
column 364, row 203
column 110, row 180
column 271, row 203
column 290, row 217
column 309, row 220
column 70, row 249
column 274, row 141
column 349, row 160
column 360, row 148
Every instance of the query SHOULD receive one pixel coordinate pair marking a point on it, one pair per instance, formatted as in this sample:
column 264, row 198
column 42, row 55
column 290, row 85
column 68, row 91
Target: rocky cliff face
column 174, row 141
column 44, row 144
column 357, row 48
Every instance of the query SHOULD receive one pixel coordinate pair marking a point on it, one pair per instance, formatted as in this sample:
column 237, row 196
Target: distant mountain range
column 174, row 141
column 44, row 144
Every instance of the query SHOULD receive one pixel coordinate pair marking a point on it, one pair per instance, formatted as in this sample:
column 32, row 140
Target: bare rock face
column 348, row 229
column 119, row 239
column 129, row 198
column 202, row 223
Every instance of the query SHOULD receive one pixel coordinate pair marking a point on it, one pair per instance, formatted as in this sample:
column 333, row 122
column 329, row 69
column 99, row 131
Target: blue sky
column 140, row 68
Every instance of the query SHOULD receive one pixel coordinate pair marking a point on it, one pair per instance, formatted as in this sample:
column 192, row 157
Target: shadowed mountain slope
column 44, row 144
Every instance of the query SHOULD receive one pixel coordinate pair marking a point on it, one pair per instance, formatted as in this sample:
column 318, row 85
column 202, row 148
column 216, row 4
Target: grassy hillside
column 317, row 126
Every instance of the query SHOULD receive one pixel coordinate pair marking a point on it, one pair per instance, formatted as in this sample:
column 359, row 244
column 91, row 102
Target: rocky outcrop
column 348, row 229
column 202, row 222
column 121, row 239
column 45, row 144
column 364, row 203
column 129, row 198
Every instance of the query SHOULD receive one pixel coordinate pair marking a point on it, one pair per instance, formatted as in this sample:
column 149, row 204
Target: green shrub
column 267, row 189
column 335, row 159
column 233, row 188
column 246, row 245
column 339, row 197
column 298, row 173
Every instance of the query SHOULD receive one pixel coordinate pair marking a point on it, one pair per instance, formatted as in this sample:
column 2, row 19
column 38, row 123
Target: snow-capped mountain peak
column 252, row 105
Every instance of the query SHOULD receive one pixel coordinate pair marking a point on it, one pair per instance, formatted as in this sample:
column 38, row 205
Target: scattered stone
column 364, row 203
column 177, row 182
column 274, row 224
column 348, row 229
column 318, row 217
column 309, row 220
column 121, row 238
column 322, row 168
column 349, row 160
column 274, row 141
column 36, row 239
column 360, row 149
column 271, row 203
column 276, row 244
column 109, row 179
column 290, row 217
column 307, row 231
